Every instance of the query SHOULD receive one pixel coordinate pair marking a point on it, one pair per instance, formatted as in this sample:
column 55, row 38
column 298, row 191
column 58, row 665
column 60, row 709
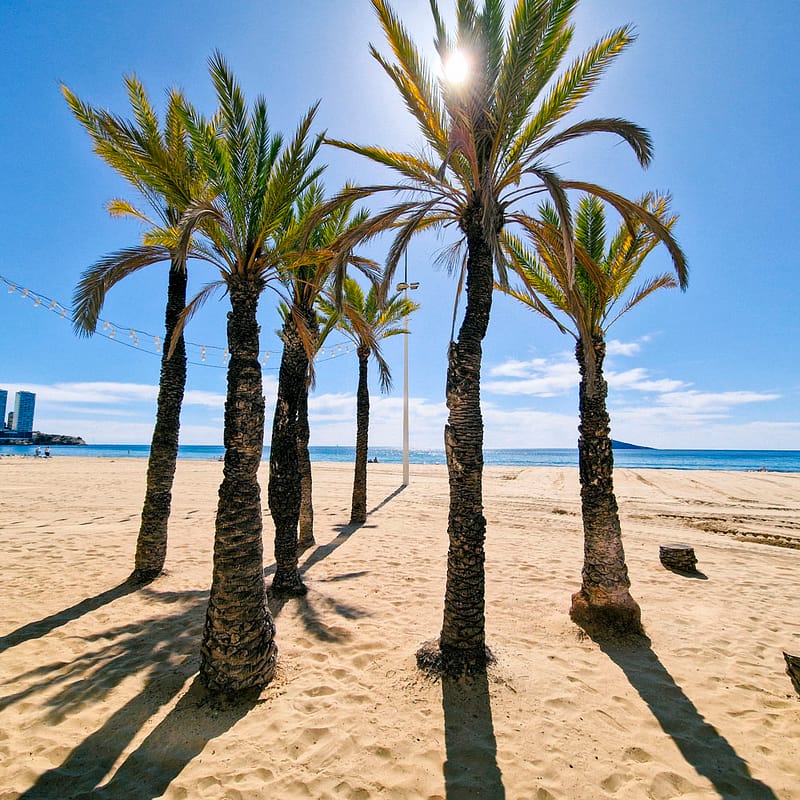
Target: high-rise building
column 3, row 401
column 24, row 403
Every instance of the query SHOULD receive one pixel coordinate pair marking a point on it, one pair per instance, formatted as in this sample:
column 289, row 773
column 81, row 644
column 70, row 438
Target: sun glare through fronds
column 456, row 68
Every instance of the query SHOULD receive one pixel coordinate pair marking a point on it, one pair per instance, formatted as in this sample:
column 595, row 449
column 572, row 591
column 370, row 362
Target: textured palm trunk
column 462, row 643
column 358, row 509
column 238, row 651
column 604, row 604
column 284, row 472
column 306, row 523
column 151, row 546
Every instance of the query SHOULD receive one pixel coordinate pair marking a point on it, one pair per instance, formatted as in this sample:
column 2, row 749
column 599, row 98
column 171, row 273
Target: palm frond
column 192, row 307
column 96, row 282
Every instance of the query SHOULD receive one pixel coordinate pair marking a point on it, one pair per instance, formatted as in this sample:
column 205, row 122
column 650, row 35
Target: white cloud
column 637, row 379
column 521, row 428
column 715, row 402
column 617, row 348
column 195, row 397
column 538, row 377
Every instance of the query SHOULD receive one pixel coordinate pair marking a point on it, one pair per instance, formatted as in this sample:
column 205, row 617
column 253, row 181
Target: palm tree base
column 437, row 660
column 616, row 614
column 144, row 576
column 219, row 680
column 357, row 520
column 305, row 543
column 288, row 584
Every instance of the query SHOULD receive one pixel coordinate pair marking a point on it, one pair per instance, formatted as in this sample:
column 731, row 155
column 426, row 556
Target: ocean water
column 746, row 460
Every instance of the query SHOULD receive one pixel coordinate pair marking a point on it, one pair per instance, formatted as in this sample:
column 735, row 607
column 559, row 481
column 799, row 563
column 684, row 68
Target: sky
column 713, row 81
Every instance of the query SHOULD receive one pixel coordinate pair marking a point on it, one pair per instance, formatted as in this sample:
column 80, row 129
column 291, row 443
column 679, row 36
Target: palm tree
column 585, row 304
column 254, row 178
column 488, row 142
column 366, row 321
column 304, row 279
column 160, row 165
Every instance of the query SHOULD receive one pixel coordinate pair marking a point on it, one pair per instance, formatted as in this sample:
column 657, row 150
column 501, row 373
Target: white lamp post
column 404, row 287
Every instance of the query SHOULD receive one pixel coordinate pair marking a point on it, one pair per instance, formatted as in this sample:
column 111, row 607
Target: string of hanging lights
column 202, row 355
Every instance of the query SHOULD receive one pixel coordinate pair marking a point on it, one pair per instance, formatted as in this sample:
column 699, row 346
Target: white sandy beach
column 99, row 697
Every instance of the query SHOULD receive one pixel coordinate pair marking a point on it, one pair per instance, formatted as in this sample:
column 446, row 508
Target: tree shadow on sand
column 35, row 630
column 471, row 769
column 164, row 647
column 703, row 747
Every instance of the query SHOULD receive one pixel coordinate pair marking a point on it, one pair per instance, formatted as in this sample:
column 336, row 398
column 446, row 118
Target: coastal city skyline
column 711, row 368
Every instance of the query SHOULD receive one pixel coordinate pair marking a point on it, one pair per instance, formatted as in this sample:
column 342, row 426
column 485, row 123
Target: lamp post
column 404, row 287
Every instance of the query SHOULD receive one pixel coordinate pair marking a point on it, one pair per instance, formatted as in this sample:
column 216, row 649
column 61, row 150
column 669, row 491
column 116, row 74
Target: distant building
column 24, row 404
column 3, row 401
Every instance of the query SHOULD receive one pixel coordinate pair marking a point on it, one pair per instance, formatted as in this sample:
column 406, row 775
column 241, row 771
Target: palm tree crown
column 489, row 138
column 365, row 320
column 160, row 164
column 602, row 287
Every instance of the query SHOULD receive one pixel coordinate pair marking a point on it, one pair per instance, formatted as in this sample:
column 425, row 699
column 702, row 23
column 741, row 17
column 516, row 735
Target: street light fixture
column 404, row 287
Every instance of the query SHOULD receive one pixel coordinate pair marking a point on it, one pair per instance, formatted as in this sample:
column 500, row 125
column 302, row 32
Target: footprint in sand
column 667, row 785
column 637, row 754
column 613, row 783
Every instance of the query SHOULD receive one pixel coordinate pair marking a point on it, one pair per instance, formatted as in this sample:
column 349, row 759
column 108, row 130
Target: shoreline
column 100, row 680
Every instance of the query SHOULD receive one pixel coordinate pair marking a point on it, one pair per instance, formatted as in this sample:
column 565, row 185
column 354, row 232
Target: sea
column 743, row 460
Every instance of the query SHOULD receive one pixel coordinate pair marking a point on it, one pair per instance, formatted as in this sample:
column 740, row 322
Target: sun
column 456, row 68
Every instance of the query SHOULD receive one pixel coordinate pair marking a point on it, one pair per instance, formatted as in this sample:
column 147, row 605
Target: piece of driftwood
column 678, row 556
column 793, row 669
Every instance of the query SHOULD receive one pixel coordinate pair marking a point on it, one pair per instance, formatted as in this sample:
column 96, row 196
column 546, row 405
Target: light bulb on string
column 203, row 353
column 37, row 302
column 225, row 356
column 11, row 289
column 24, row 293
column 53, row 304
column 136, row 341
column 106, row 325
column 112, row 334
column 63, row 313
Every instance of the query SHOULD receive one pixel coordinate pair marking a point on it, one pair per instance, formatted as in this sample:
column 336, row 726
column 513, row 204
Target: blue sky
column 714, row 82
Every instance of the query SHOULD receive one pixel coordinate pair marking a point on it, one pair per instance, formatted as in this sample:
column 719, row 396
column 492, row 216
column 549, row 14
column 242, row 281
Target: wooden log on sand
column 793, row 669
column 678, row 556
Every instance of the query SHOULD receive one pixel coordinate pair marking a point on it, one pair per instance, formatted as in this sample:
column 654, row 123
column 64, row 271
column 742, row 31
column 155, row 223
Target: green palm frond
column 412, row 77
column 632, row 213
column 572, row 87
column 590, row 225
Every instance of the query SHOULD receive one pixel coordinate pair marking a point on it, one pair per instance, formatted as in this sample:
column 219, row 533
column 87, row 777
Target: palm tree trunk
column 604, row 604
column 151, row 546
column 358, row 511
column 462, row 644
column 306, row 523
column 238, row 650
column 284, row 473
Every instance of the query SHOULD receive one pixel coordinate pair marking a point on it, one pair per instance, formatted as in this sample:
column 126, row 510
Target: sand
column 99, row 690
